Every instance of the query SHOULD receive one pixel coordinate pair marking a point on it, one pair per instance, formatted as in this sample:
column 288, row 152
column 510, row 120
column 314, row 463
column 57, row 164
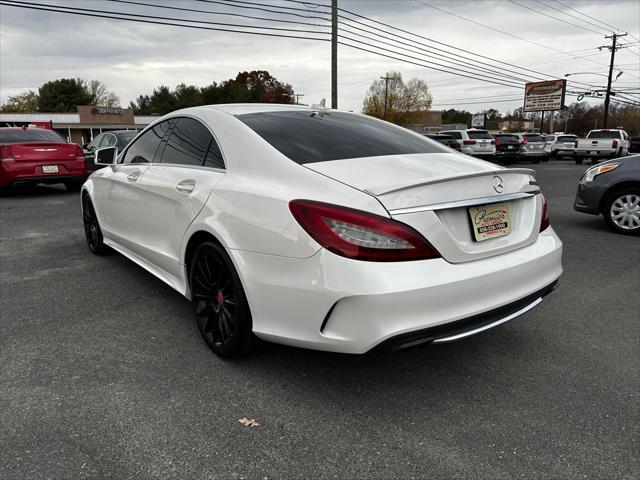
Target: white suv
column 561, row 145
column 479, row 143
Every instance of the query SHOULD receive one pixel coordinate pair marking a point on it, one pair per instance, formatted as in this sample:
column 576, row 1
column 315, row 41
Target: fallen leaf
column 249, row 422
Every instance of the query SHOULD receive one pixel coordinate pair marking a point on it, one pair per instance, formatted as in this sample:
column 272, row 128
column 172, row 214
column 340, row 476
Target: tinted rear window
column 30, row 135
column 480, row 135
column 507, row 137
column 566, row 139
column 534, row 138
column 604, row 134
column 308, row 137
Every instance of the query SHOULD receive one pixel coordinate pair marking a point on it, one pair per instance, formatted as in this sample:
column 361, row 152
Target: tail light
column 79, row 153
column 469, row 142
column 575, row 144
column 5, row 152
column 615, row 144
column 495, row 142
column 544, row 221
column 360, row 235
column 455, row 146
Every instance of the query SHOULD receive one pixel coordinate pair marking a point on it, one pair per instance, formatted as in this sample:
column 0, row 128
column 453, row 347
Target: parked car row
column 507, row 148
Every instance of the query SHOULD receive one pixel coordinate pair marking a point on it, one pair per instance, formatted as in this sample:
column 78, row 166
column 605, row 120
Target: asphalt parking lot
column 103, row 374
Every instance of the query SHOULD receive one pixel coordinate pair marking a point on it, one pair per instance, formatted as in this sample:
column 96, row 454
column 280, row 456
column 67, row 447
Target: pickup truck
column 602, row 144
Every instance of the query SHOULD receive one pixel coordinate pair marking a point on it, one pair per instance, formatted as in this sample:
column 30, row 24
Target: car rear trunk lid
column 44, row 152
column 434, row 192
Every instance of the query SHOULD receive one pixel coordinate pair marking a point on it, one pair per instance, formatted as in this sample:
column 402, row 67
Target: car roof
column 244, row 108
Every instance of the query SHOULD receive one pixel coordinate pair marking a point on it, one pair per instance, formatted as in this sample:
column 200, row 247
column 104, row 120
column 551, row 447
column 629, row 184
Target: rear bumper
column 467, row 327
column 25, row 172
column 595, row 153
column 327, row 302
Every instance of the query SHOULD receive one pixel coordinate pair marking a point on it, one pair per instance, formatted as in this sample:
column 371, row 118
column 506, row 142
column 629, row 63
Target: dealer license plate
column 49, row 168
column 490, row 221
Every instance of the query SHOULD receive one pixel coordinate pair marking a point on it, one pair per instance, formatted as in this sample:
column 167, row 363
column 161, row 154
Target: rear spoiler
column 419, row 183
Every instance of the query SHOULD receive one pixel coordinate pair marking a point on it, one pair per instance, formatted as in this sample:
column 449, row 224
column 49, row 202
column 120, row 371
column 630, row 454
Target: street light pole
column 614, row 39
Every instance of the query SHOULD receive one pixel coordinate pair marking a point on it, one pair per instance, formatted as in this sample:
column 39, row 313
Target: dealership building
column 82, row 126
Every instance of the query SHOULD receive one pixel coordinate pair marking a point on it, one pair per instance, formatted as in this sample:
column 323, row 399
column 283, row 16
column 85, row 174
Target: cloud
column 133, row 58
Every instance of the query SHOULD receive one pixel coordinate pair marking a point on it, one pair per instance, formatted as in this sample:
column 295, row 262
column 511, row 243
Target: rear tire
column 537, row 160
column 92, row 231
column 579, row 161
column 220, row 305
column 621, row 210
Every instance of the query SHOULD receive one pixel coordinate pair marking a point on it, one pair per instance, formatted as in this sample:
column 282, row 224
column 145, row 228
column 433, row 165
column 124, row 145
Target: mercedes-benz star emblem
column 498, row 184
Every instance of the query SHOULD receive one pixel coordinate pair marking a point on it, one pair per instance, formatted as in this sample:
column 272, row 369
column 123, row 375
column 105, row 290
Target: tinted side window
column 214, row 156
column 144, row 148
column 187, row 143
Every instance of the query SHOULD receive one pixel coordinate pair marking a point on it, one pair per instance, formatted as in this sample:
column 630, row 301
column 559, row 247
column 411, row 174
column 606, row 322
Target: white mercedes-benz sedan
column 322, row 229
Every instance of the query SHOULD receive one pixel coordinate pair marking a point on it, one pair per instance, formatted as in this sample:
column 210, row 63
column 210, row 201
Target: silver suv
column 532, row 147
column 479, row 143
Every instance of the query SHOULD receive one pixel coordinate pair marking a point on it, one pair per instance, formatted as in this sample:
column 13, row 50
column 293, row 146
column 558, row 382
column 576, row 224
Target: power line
column 592, row 18
column 482, row 70
column 442, row 43
column 449, row 104
column 142, row 20
column 188, row 24
column 551, row 16
column 569, row 15
column 227, row 4
column 195, row 10
column 156, row 17
column 494, row 29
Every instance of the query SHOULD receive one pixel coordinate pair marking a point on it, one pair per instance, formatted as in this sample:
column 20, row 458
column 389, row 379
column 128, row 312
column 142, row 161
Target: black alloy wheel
column 220, row 306
column 92, row 231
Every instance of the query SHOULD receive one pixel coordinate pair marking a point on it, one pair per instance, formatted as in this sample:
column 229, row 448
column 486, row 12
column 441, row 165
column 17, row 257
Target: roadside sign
column 544, row 96
column 477, row 120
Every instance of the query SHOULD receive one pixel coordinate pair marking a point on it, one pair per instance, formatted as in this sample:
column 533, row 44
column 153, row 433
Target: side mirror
column 106, row 156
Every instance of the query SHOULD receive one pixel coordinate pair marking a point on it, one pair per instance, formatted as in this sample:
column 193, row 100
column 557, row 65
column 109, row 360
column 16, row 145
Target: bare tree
column 405, row 102
column 100, row 94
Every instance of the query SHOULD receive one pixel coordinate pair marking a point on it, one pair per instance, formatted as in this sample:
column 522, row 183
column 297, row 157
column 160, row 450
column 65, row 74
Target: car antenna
column 321, row 108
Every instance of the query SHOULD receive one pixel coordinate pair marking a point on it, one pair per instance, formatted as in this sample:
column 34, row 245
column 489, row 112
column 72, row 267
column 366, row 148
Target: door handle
column 186, row 186
column 133, row 177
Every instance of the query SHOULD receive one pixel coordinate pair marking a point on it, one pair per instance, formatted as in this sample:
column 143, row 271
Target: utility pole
column 298, row 95
column 614, row 38
column 334, row 53
column 542, row 122
column 386, row 79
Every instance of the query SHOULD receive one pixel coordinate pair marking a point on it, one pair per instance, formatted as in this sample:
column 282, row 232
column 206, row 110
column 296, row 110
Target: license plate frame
column 50, row 169
column 490, row 220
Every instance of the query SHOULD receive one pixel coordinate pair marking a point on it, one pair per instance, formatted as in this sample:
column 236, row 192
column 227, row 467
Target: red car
column 35, row 155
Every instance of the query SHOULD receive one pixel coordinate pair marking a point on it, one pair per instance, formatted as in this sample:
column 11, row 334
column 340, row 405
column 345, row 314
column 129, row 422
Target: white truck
column 602, row 144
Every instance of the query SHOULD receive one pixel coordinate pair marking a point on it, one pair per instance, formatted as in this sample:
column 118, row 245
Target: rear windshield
column 308, row 137
column 534, row 138
column 566, row 139
column 480, row 135
column 604, row 134
column 30, row 135
column 507, row 137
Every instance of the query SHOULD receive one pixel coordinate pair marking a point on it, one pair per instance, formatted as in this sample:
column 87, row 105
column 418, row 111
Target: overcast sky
column 133, row 58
